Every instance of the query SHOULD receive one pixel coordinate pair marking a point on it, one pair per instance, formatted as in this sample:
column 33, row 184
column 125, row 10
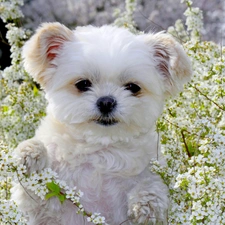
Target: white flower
column 69, row 194
column 62, row 184
column 21, row 169
column 80, row 193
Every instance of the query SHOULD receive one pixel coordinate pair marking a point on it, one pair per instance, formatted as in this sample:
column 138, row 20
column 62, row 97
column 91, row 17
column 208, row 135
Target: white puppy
column 105, row 89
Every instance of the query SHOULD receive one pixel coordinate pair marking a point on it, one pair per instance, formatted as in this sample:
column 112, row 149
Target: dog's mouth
column 106, row 121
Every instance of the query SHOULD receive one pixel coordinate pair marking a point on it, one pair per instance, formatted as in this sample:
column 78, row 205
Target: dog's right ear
column 43, row 47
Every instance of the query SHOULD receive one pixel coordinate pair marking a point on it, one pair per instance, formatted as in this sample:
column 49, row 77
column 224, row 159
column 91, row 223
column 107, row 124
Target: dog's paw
column 148, row 209
column 33, row 154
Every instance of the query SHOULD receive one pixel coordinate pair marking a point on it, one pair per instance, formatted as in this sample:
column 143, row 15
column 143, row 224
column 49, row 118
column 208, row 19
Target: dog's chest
column 96, row 177
column 103, row 192
column 104, row 176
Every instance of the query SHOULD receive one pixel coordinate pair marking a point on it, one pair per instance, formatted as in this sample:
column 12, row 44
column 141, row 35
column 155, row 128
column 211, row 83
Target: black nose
column 106, row 104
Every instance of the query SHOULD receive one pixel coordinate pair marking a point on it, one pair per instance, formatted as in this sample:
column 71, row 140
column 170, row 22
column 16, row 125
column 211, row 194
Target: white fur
column 108, row 163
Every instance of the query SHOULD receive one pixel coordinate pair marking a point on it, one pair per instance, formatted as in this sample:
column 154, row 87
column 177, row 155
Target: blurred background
column 151, row 15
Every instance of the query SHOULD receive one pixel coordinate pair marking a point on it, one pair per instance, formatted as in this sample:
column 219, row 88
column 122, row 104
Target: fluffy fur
column 108, row 162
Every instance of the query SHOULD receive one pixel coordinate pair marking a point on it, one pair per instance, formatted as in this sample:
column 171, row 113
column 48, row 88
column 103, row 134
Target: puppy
column 105, row 89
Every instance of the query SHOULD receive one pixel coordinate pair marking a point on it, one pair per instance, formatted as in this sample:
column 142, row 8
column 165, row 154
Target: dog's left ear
column 43, row 47
column 170, row 60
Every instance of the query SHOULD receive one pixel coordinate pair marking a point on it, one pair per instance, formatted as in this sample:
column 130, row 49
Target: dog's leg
column 148, row 201
column 33, row 154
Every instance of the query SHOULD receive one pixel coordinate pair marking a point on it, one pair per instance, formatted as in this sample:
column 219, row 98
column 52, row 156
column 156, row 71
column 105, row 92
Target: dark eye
column 83, row 85
column 134, row 88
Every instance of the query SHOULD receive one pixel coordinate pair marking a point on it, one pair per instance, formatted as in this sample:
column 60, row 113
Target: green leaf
column 53, row 187
column 50, row 195
column 35, row 90
column 5, row 108
column 61, row 198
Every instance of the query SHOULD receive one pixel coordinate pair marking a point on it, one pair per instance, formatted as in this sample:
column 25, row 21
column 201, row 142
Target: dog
column 105, row 88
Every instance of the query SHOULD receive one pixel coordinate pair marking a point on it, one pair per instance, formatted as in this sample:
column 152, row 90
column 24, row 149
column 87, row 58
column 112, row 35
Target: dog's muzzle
column 106, row 105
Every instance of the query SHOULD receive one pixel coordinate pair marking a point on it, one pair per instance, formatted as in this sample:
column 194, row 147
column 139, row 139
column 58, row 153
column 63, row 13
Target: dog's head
column 106, row 81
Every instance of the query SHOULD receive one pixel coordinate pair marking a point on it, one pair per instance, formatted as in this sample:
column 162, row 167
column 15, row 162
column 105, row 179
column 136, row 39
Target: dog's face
column 105, row 80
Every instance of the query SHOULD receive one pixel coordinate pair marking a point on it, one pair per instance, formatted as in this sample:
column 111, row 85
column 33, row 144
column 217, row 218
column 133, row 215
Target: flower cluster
column 9, row 213
column 10, row 9
column 193, row 135
column 125, row 19
column 22, row 103
column 194, row 20
column 194, row 23
column 96, row 219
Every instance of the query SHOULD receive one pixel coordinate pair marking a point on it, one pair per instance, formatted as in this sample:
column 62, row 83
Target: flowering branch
column 46, row 185
column 220, row 107
column 126, row 19
column 185, row 144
